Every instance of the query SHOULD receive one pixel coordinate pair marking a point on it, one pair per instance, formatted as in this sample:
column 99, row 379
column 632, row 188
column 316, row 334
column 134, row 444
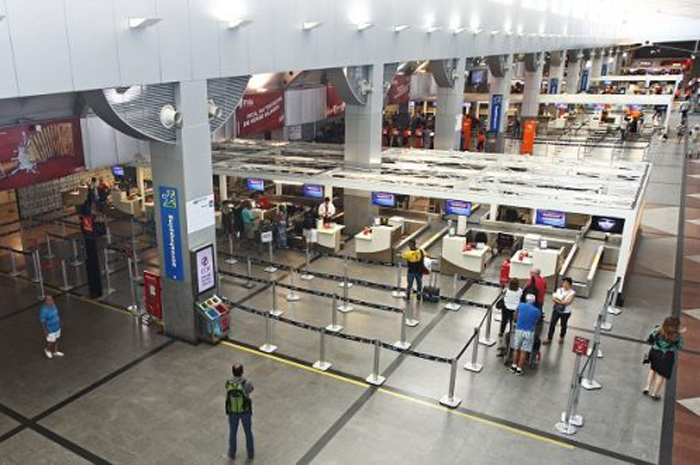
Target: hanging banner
column 466, row 132
column 604, row 70
column 334, row 104
column 554, row 86
column 584, row 80
column 170, row 229
column 529, row 131
column 260, row 113
column 35, row 153
column 399, row 90
column 495, row 114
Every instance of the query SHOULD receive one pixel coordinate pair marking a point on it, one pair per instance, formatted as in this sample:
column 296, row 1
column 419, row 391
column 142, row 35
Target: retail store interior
column 250, row 196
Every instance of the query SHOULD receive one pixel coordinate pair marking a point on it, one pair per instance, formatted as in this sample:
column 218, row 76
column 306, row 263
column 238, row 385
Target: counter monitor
column 458, row 207
column 551, row 218
column 384, row 199
column 607, row 225
column 256, row 185
column 314, row 191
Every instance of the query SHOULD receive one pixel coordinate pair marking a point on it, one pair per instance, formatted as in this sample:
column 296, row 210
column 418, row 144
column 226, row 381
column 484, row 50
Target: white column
column 278, row 188
column 141, row 185
column 223, row 187
column 573, row 72
column 556, row 74
column 448, row 118
column 531, row 93
column 596, row 64
column 363, row 125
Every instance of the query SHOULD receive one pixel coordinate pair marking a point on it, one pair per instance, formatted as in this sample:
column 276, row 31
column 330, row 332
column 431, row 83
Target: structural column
column 501, row 75
column 556, row 72
column 533, row 85
column 223, row 187
column 182, row 173
column 596, row 66
column 573, row 71
column 448, row 118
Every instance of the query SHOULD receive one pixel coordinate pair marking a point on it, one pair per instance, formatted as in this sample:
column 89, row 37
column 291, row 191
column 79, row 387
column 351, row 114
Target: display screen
column 607, row 225
column 313, row 190
column 458, row 207
column 477, row 76
column 206, row 272
column 118, row 171
column 384, row 199
column 551, row 218
column 256, row 185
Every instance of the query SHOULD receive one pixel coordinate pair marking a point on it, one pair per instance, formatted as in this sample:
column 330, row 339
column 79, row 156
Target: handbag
column 645, row 360
column 559, row 308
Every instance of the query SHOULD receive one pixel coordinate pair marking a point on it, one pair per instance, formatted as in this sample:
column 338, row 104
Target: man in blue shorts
column 527, row 315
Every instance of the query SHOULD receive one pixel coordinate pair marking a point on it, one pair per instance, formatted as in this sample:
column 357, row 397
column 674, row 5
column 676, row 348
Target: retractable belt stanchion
column 399, row 293
column 292, row 295
column 36, row 264
column 249, row 274
column 307, row 276
column 137, row 275
column 473, row 365
column 75, row 261
column 40, row 275
column 275, row 311
column 454, row 305
column 605, row 325
column 108, row 269
column 403, row 343
column 64, row 273
column 334, row 327
column 322, row 364
column 109, row 289
column 109, row 238
column 345, row 307
column 588, row 382
column 13, row 264
column 271, row 268
column 230, row 260
column 49, row 252
column 268, row 347
column 375, row 378
column 449, row 399
column 345, row 283
column 411, row 320
column 613, row 309
column 134, row 307
column 487, row 340
column 597, row 336
column 566, row 425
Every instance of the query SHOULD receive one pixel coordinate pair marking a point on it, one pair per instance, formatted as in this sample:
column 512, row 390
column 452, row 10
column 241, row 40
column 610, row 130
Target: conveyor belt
column 433, row 228
column 581, row 264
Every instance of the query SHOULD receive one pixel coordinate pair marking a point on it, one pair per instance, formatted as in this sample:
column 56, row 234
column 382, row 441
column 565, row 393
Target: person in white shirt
column 508, row 306
column 562, row 298
column 326, row 210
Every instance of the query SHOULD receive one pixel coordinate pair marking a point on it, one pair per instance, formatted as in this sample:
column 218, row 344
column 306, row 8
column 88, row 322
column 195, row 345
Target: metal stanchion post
column 307, row 276
column 399, row 293
column 597, row 336
column 106, row 257
column 66, row 286
column 334, row 327
column 345, row 283
column 49, row 252
column 488, row 340
column 230, row 260
column 605, row 325
column 410, row 314
column 473, row 365
column 63, row 228
column 13, row 264
column 588, row 382
column 454, row 305
column 249, row 274
column 109, row 238
column 375, row 378
column 109, row 289
column 613, row 309
column 134, row 307
column 42, row 293
column 565, row 426
column 75, row 261
column 36, row 264
column 345, row 307
column 449, row 399
column 268, row 347
column 137, row 275
column 292, row 295
column 271, row 268
column 275, row 311
column 403, row 343
column 322, row 364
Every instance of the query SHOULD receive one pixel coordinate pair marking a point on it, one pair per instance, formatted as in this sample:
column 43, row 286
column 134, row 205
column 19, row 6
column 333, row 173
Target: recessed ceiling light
column 401, row 27
column 475, row 30
column 236, row 23
column 141, row 23
column 364, row 26
column 459, row 30
column 309, row 25
column 495, row 32
column 431, row 29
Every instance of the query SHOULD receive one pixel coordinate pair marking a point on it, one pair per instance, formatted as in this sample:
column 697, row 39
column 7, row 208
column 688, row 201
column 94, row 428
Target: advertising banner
column 466, row 132
column 495, row 114
column 604, row 70
column 334, row 104
column 35, row 153
column 170, row 227
column 584, row 80
column 259, row 113
column 205, row 265
column 529, row 131
column 554, row 86
column 399, row 90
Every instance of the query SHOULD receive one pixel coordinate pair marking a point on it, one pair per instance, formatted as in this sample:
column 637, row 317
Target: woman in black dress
column 665, row 342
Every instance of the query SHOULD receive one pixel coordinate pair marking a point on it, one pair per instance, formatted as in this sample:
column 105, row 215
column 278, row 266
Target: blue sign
column 256, row 185
column 496, row 108
column 384, row 199
column 314, row 191
column 554, row 86
column 604, row 70
column 170, row 228
column 584, row 80
column 458, row 207
column 551, row 218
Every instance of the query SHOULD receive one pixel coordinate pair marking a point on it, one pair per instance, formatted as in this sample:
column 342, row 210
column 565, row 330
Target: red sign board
column 334, row 104
column 466, row 132
column 153, row 294
column 529, row 130
column 581, row 345
column 399, row 90
column 35, row 153
column 259, row 113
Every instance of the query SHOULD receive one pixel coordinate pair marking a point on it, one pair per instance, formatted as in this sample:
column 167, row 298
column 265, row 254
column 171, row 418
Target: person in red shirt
column 541, row 285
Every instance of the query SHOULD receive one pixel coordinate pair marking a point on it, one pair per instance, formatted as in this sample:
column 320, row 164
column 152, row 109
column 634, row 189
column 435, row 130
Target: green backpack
column 236, row 400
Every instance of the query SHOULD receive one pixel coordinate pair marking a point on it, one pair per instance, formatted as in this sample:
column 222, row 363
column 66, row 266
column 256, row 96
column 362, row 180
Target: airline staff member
column 326, row 210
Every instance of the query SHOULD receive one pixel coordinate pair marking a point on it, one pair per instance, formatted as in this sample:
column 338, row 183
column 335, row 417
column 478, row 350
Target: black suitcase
column 431, row 292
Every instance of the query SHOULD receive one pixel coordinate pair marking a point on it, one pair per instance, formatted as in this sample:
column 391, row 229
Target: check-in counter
column 130, row 206
column 547, row 260
column 329, row 236
column 470, row 263
column 378, row 242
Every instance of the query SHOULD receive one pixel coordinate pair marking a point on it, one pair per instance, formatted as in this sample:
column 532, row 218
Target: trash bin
column 209, row 323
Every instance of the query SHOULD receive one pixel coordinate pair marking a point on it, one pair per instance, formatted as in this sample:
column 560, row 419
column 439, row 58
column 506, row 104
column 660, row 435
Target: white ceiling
column 671, row 7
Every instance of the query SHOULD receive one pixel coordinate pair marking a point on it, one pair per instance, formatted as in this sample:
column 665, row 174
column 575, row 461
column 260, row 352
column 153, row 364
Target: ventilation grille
column 226, row 94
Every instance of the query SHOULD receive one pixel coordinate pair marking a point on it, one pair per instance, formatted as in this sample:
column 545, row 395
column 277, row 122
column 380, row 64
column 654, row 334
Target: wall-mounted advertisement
column 551, row 218
column 260, row 113
column 36, row 153
column 205, row 268
column 458, row 207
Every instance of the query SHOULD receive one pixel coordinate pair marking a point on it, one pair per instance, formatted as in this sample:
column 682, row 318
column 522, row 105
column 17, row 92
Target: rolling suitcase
column 431, row 292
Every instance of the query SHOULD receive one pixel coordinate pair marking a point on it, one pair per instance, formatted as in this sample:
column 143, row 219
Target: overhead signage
column 200, row 213
column 554, row 86
column 496, row 110
column 266, row 237
column 260, row 113
column 604, row 70
column 256, row 185
column 205, row 268
column 458, row 207
column 551, row 218
column 399, row 91
column 170, row 229
column 584, row 80
column 384, row 199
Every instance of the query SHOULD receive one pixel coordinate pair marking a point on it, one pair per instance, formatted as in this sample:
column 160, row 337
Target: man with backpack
column 414, row 258
column 239, row 408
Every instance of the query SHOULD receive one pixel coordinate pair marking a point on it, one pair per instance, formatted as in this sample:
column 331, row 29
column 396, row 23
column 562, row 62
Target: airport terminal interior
column 349, row 232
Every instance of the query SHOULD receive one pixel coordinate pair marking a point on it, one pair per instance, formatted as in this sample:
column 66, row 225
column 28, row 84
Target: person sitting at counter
column 415, row 260
column 326, row 210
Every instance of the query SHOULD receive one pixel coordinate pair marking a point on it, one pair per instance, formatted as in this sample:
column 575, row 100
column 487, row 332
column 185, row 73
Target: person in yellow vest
column 414, row 259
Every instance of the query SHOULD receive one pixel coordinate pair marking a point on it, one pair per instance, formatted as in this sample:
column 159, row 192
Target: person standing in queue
column 326, row 211
column 239, row 409
column 561, row 311
column 309, row 226
column 248, row 222
column 538, row 287
column 415, row 260
column 665, row 342
column 51, row 325
column 509, row 305
column 526, row 318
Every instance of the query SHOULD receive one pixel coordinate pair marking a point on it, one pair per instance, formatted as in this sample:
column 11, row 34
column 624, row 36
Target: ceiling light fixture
column 431, row 29
column 495, row 32
column 475, row 31
column 459, row 30
column 309, row 25
column 236, row 23
column 401, row 27
column 142, row 23
column 364, row 26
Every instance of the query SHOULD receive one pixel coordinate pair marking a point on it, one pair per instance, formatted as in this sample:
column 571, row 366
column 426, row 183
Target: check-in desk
column 470, row 263
column 130, row 206
column 329, row 236
column 547, row 260
column 378, row 243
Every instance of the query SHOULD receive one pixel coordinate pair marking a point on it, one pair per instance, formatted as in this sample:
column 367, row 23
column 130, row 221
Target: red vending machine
column 153, row 294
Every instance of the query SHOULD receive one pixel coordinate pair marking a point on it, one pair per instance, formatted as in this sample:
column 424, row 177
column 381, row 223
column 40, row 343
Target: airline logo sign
column 496, row 110
column 170, row 228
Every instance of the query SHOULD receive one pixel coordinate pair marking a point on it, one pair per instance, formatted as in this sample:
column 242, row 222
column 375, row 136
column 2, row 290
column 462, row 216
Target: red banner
column 529, row 130
column 35, row 153
column 466, row 132
column 259, row 113
column 399, row 91
column 334, row 104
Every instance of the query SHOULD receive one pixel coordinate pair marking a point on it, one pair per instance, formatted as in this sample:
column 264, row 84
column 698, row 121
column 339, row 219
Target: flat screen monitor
column 384, row 199
column 551, row 218
column 477, row 76
column 314, row 191
column 118, row 171
column 607, row 225
column 256, row 185
column 206, row 269
column 458, row 207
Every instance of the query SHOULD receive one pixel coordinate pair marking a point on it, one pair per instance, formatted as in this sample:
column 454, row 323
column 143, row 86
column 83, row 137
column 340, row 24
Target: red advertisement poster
column 529, row 129
column 334, row 104
column 35, row 153
column 466, row 132
column 399, row 90
column 259, row 113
